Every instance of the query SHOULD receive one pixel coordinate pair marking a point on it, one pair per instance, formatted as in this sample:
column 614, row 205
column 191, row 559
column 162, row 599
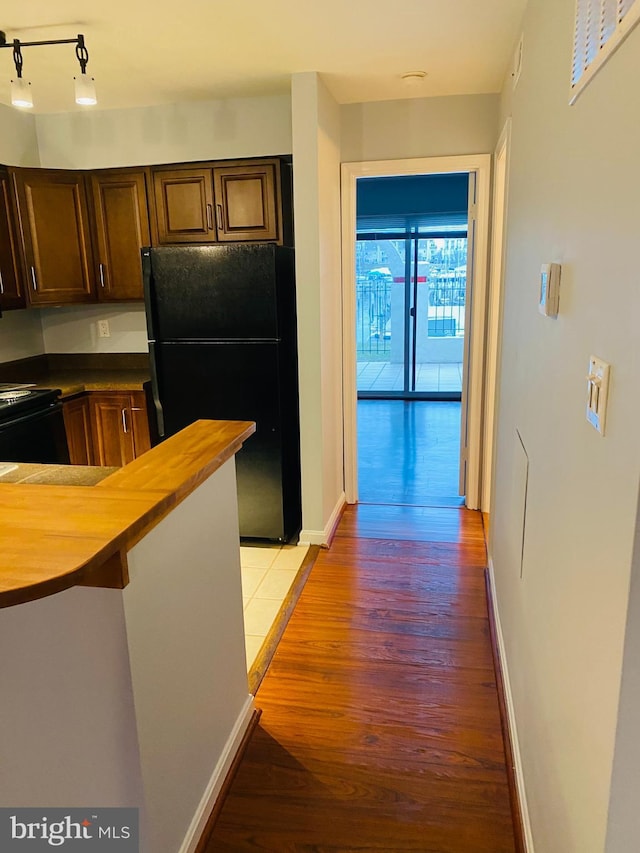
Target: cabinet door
column 120, row 426
column 11, row 285
column 121, row 229
column 184, row 205
column 112, row 436
column 140, row 423
column 56, row 237
column 246, row 201
column 77, row 422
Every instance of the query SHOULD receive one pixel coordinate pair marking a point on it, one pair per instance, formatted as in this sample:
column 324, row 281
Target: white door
column 464, row 407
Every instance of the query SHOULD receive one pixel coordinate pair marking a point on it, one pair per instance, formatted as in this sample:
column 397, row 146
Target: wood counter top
column 56, row 537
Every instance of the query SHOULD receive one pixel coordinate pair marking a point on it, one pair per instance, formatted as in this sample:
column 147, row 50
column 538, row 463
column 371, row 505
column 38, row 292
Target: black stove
column 19, row 401
column 32, row 425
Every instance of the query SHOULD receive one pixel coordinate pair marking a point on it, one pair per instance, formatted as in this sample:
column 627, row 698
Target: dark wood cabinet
column 246, row 201
column 70, row 237
column 56, row 237
column 184, row 205
column 11, row 273
column 120, row 426
column 121, row 229
column 77, row 422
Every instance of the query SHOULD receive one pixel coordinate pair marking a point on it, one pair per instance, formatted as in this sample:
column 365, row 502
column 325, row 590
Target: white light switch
column 597, row 392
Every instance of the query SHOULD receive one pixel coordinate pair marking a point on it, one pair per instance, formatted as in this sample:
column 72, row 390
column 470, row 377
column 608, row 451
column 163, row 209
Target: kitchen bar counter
column 128, row 687
column 58, row 536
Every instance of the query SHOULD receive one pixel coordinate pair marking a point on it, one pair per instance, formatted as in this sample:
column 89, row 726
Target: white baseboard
column 515, row 745
column 323, row 537
column 214, row 786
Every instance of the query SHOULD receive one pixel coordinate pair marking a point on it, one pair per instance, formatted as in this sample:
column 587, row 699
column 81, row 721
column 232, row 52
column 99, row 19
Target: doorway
column 408, row 309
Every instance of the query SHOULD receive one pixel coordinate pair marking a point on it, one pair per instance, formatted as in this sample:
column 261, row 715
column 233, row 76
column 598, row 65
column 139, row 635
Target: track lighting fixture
column 21, row 89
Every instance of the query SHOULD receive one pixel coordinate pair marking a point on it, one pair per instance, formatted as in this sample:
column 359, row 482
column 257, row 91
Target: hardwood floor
column 408, row 452
column 380, row 726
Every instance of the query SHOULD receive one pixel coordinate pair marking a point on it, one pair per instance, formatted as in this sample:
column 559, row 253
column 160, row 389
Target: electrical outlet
column 103, row 329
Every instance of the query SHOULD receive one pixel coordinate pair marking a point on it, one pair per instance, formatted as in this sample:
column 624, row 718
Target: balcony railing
column 445, row 312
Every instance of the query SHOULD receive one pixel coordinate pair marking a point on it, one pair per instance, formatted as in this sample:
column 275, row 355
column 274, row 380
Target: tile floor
column 267, row 575
column 384, row 376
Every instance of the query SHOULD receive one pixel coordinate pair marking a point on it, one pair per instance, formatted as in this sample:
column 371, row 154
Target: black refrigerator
column 222, row 344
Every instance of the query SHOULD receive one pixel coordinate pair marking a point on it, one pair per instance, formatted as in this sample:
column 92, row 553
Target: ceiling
column 144, row 53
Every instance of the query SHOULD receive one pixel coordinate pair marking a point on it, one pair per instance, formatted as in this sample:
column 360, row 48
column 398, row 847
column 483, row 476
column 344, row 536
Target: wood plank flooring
column 408, row 452
column 380, row 728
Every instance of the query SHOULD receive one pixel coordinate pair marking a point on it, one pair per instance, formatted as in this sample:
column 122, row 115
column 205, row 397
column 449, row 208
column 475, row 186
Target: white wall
column 419, row 127
column 20, row 335
column 185, row 634
column 316, row 152
column 18, row 140
column 624, row 815
column 574, row 198
column 69, row 733
column 196, row 130
column 74, row 328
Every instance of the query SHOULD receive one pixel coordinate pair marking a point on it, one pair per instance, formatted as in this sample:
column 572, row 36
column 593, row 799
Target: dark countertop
column 76, row 373
column 54, row 475
column 72, row 382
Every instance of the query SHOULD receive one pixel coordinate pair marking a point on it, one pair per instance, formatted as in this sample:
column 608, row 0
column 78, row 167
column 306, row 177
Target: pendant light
column 85, row 90
column 84, row 85
column 20, row 88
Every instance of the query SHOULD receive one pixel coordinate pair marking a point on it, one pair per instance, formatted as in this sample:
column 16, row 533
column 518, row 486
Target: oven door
column 35, row 437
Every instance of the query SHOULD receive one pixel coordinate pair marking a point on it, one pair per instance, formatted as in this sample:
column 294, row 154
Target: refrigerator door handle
column 155, row 391
column 147, row 282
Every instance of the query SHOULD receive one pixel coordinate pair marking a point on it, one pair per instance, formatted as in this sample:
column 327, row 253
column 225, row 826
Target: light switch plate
column 597, row 392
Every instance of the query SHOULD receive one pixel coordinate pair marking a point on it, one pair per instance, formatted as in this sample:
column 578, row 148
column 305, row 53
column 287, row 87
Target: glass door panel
column 410, row 315
column 439, row 295
column 380, row 315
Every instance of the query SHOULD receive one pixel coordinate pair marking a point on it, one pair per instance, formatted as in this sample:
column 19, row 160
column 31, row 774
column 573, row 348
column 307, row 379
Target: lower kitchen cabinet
column 120, row 426
column 106, row 427
column 77, row 423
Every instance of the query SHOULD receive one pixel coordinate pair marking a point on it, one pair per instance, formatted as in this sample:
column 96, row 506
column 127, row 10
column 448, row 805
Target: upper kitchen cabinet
column 246, row 201
column 121, row 220
column 220, row 202
column 56, row 237
column 11, row 281
column 184, row 205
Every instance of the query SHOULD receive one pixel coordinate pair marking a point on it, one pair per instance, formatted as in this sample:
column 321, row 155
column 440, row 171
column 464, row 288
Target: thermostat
column 549, row 289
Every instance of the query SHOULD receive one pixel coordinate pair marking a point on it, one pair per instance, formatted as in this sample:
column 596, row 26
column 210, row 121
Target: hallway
column 380, row 728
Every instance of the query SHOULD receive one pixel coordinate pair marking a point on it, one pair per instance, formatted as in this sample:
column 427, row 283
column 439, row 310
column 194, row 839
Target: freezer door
column 234, row 381
column 216, row 292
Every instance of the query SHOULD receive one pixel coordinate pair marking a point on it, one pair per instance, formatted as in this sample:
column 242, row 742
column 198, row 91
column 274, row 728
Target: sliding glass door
column 410, row 309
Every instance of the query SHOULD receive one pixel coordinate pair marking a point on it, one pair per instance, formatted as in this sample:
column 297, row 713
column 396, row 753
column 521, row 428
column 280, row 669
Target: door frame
column 495, row 302
column 480, row 164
